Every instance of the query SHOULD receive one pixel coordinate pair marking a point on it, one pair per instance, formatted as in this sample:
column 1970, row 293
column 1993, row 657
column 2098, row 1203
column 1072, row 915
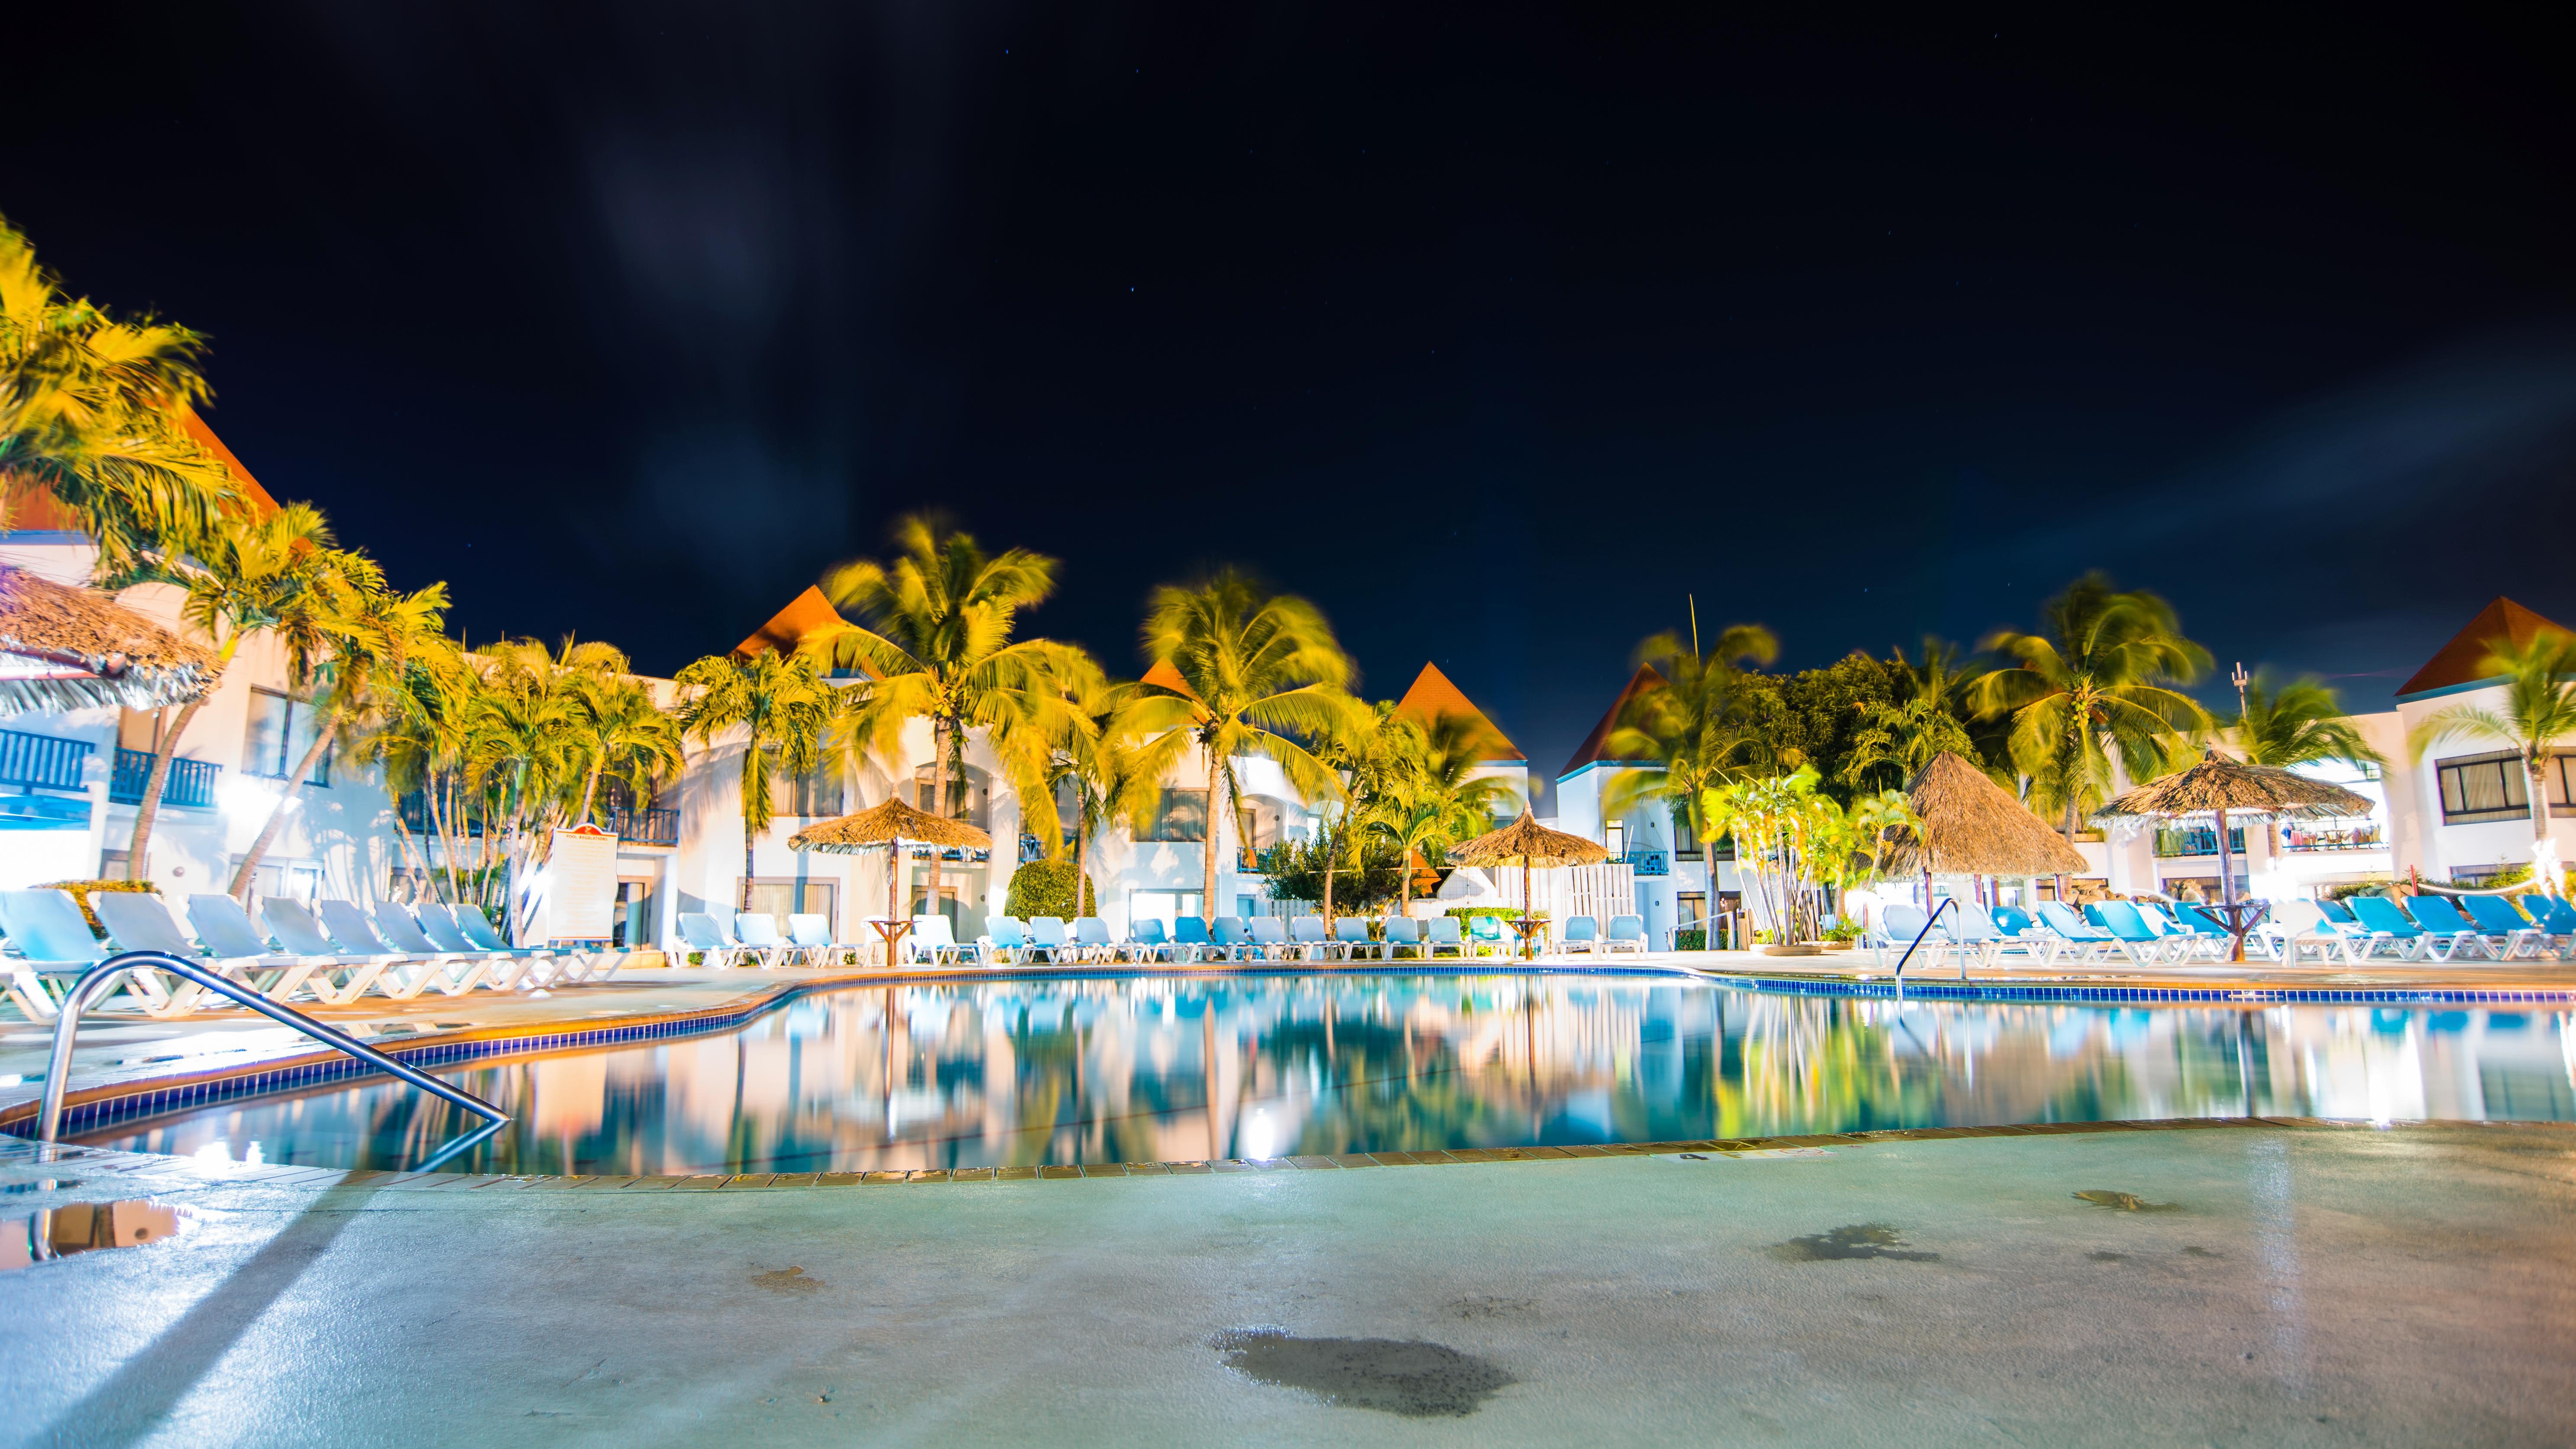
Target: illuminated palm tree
column 2539, row 713
column 90, row 411
column 1259, row 674
column 1694, row 723
column 782, row 704
column 1897, row 740
column 2301, row 723
column 2097, row 685
column 244, row 577
column 627, row 737
column 1093, row 759
column 936, row 645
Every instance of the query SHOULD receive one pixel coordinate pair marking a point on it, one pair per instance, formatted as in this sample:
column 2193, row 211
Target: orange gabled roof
column 807, row 616
column 1164, row 676
column 38, row 512
column 2463, row 660
column 1590, row 752
column 1433, row 697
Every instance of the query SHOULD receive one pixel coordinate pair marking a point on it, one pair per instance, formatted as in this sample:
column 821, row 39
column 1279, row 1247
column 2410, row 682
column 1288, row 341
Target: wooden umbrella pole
column 2227, row 886
column 1527, row 918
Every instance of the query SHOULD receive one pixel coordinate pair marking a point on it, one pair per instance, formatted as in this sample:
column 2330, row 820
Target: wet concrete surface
column 2312, row 1287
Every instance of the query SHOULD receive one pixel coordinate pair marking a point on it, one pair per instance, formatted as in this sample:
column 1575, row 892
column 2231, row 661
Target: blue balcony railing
column 191, row 782
column 2202, row 841
column 1648, row 862
column 42, row 762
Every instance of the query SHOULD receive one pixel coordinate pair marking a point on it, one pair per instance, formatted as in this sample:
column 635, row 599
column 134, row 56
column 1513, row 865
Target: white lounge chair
column 700, row 931
column 1351, row 935
column 1627, row 933
column 758, row 933
column 1444, row 935
column 140, row 921
column 932, row 939
column 1269, row 938
column 298, row 931
column 55, row 948
column 1582, row 933
column 416, row 968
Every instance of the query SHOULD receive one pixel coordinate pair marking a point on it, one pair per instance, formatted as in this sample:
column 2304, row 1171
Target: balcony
column 644, row 827
column 1648, row 862
column 2203, row 841
column 42, row 762
column 191, row 783
column 2333, row 837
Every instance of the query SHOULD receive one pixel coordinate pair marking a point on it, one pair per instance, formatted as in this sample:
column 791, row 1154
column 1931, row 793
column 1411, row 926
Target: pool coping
column 2069, row 993
column 20, row 1152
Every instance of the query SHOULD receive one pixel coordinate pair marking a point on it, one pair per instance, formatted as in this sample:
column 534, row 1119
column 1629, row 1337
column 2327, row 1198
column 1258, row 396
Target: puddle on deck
column 1391, row 1375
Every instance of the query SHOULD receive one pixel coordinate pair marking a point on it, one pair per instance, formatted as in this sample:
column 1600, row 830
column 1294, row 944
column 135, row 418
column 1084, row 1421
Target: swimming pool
column 945, row 1075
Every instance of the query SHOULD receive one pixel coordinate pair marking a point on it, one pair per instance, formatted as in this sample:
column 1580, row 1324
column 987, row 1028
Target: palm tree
column 937, row 645
column 1418, row 793
column 781, row 702
column 245, row 576
column 2301, row 723
column 368, row 636
column 90, row 412
column 1694, row 723
column 1897, row 740
column 1259, row 675
column 1094, row 758
column 2539, row 712
column 2097, row 684
column 625, row 735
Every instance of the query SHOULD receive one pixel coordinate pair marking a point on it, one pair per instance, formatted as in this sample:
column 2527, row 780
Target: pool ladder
column 1948, row 903
column 95, row 983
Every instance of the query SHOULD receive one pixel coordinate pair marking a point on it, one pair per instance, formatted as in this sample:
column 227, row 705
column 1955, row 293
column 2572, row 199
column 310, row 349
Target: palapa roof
column 2463, row 661
column 1526, row 842
column 1973, row 826
column 1433, row 698
column 808, row 615
column 2219, row 783
column 66, row 648
column 1593, row 750
column 891, row 823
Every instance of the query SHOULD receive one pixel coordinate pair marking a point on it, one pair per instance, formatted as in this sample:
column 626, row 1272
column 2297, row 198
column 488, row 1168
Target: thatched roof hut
column 2218, row 783
column 892, row 823
column 66, row 648
column 1973, row 826
column 1527, row 844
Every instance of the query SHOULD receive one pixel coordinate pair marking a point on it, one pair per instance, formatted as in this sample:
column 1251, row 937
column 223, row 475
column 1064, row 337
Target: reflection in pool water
column 1024, row 1072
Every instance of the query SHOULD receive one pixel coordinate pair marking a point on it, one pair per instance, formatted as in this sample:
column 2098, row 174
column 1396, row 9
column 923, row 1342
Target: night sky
column 1496, row 331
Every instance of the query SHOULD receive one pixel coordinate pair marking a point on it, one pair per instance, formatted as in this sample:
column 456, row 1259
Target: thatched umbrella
column 65, row 648
column 889, row 827
column 1973, row 826
column 2218, row 785
column 1527, row 844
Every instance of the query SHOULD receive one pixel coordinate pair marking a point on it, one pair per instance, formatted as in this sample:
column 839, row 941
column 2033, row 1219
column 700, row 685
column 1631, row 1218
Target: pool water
column 1154, row 1069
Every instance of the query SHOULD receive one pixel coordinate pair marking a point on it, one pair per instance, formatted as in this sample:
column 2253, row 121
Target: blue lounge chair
column 2392, row 929
column 1147, row 941
column 2060, row 929
column 2337, row 912
column 760, row 937
column 298, row 931
column 1047, row 938
column 2012, row 920
column 2556, row 920
column 1269, row 937
column 1401, row 933
column 226, row 929
column 1581, row 933
column 1005, row 941
column 140, row 921
column 2130, row 934
column 699, row 931
column 420, row 966
column 1627, row 933
column 811, row 933
column 1351, row 934
column 1229, row 939
column 1443, row 936
column 1190, row 938
column 55, row 947
column 2504, row 928
column 1307, row 933
column 529, row 970
column 1092, row 941
column 2445, row 927
column 1483, row 932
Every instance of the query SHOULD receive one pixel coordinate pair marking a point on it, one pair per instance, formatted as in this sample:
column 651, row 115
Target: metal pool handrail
column 94, row 983
column 1947, row 903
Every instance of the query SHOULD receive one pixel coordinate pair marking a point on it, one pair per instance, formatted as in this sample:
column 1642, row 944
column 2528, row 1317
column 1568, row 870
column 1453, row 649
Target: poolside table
column 892, row 928
column 1533, row 934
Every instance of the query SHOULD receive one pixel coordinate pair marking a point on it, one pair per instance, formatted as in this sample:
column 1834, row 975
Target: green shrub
column 1045, row 888
column 82, row 890
column 1694, row 938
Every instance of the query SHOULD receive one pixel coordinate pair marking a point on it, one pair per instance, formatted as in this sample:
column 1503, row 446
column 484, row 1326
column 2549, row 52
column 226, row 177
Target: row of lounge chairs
column 755, row 938
column 2364, row 928
column 334, row 953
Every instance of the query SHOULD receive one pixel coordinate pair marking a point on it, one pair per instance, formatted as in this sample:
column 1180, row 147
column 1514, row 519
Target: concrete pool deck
column 2255, row 1284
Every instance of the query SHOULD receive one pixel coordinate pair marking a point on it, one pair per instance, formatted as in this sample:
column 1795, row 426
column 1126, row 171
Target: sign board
column 581, row 885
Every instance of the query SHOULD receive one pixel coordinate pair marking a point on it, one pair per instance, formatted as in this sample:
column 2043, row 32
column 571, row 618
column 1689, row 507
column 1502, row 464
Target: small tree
column 782, row 703
column 2539, row 713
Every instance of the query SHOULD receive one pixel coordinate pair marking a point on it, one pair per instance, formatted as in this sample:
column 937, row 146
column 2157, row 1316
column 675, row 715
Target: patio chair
column 1005, row 941
column 513, row 969
column 1581, row 933
column 700, row 931
column 2012, row 920
column 2130, row 934
column 1443, row 935
column 419, row 966
column 140, row 921
column 812, row 933
column 1307, row 933
column 1230, row 939
column 402, row 931
column 2443, row 924
column 351, row 974
column 1190, row 939
column 1402, row 933
column 758, row 932
column 2497, row 920
column 1269, row 937
column 1485, row 931
column 226, row 931
column 1900, row 925
column 1147, row 940
column 2337, row 912
column 1092, row 941
column 56, row 948
column 2291, row 930
column 2385, row 926
column 2556, row 921
column 2059, row 929
column 2197, row 932
column 1627, row 933
column 1351, row 935
column 1047, row 938
column 932, row 938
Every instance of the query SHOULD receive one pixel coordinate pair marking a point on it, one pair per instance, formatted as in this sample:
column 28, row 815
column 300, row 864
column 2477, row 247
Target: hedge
column 82, row 889
column 1045, row 888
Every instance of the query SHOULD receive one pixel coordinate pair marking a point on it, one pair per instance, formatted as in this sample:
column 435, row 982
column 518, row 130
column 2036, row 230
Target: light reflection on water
column 1157, row 1070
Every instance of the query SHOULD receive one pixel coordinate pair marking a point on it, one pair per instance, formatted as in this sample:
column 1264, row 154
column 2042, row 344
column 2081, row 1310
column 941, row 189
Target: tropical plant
column 782, row 704
column 1695, row 724
column 936, row 645
column 248, row 574
column 1790, row 841
column 352, row 643
column 2097, row 685
column 2300, row 723
column 618, row 728
column 2538, row 713
column 1091, row 759
column 1257, row 675
column 1898, row 739
column 90, row 411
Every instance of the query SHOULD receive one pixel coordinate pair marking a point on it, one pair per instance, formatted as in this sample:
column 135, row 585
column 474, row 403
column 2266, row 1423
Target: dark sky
column 1498, row 331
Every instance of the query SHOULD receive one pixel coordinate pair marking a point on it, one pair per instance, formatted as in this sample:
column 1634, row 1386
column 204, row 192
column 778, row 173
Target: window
column 818, row 793
column 1179, row 815
column 2559, row 775
column 784, row 898
column 1163, row 906
column 969, row 797
column 2484, row 787
column 294, row 880
column 1615, row 836
column 1685, row 839
column 280, row 730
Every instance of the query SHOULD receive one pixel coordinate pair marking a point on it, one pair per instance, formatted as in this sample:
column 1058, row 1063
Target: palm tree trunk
column 2545, row 871
column 939, row 805
column 1332, row 857
column 1209, row 842
column 285, row 800
column 590, row 785
column 148, row 809
column 1081, row 851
